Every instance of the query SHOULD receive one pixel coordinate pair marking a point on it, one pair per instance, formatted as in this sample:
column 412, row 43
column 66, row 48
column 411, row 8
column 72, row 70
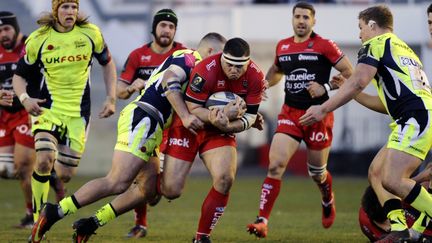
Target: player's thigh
column 318, row 157
column 25, row 157
column 126, row 166
column 282, row 148
column 147, row 175
column 221, row 161
column 67, row 161
column 399, row 164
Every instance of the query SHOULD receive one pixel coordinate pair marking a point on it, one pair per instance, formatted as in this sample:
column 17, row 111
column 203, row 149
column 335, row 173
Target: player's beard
column 8, row 43
column 161, row 40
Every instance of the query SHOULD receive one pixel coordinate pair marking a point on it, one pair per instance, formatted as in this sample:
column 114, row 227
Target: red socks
column 141, row 215
column 269, row 193
column 326, row 188
column 212, row 209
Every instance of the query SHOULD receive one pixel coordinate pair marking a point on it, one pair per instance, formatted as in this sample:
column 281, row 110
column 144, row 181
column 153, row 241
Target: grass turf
column 296, row 216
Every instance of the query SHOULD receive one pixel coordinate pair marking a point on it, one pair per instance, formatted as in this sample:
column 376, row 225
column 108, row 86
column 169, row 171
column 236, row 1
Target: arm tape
column 327, row 87
column 248, row 119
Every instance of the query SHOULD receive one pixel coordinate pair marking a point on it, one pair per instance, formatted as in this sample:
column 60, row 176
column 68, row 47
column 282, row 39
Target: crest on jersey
column 197, row 84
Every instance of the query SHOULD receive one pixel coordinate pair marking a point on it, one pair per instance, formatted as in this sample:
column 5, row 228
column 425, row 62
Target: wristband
column 327, row 87
column 23, row 97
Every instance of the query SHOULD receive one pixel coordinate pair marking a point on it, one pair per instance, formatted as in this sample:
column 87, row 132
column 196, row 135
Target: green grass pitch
column 296, row 216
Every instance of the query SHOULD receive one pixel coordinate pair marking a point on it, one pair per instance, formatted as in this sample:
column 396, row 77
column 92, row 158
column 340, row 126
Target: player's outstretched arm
column 361, row 77
column 110, row 78
column 274, row 75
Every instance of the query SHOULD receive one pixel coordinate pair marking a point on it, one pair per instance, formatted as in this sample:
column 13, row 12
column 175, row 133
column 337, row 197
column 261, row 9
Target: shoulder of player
column 319, row 40
column 89, row 29
column 285, row 41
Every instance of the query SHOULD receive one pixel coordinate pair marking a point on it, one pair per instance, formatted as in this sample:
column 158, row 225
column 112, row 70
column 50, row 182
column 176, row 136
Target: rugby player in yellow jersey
column 63, row 48
column 140, row 128
column 404, row 91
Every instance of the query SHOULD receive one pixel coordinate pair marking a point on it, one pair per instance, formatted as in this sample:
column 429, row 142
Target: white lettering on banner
column 319, row 137
column 183, row 142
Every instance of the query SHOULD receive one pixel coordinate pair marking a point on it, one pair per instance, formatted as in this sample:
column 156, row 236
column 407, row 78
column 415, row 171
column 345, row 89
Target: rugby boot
column 328, row 212
column 258, row 228
column 138, row 231
column 48, row 216
column 203, row 239
column 84, row 229
column 396, row 237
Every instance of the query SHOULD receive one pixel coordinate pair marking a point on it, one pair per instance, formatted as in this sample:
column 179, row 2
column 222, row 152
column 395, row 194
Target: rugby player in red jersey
column 231, row 71
column 306, row 60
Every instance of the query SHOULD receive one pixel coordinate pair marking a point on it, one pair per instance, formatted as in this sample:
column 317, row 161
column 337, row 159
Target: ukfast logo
column 182, row 142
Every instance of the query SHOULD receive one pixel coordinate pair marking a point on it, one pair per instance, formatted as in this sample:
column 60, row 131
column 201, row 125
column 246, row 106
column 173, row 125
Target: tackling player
column 405, row 92
column 306, row 60
column 137, row 70
column 139, row 133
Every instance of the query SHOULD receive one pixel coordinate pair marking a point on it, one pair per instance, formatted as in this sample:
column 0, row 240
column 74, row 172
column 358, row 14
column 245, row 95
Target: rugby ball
column 220, row 99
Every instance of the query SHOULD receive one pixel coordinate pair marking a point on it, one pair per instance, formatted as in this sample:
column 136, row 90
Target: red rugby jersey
column 142, row 61
column 311, row 60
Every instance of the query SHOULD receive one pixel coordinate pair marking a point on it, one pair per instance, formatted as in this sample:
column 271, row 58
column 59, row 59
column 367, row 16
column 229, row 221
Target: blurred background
column 126, row 25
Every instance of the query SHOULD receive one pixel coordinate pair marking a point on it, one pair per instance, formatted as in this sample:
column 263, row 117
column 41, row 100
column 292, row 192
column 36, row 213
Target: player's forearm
column 110, row 78
column 123, row 91
column 19, row 85
column 347, row 92
column 178, row 104
column 273, row 75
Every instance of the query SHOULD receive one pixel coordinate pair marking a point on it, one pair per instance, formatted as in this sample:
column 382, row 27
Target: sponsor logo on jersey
column 2, row 67
column 284, row 59
column 221, row 83
column 285, row 47
column 210, row 65
column 145, row 58
column 146, row 71
column 300, row 74
column 79, row 44
column 1, row 55
column 182, row 142
column 302, row 57
column 407, row 61
column 197, row 84
column 285, row 122
column 71, row 58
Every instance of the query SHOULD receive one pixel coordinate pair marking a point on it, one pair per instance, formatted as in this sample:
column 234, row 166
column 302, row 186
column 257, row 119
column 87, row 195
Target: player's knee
column 318, row 173
column 7, row 167
column 276, row 170
column 172, row 192
column 223, row 183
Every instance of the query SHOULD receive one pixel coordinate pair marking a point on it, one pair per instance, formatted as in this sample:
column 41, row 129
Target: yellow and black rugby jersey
column 66, row 59
column 153, row 95
column 400, row 80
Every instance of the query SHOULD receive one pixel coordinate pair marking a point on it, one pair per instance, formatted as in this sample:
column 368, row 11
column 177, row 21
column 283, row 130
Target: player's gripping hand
column 235, row 109
column 337, row 81
column 218, row 119
column 6, row 97
column 136, row 86
column 192, row 123
column 32, row 106
column 108, row 107
column 259, row 122
column 314, row 114
column 315, row 89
